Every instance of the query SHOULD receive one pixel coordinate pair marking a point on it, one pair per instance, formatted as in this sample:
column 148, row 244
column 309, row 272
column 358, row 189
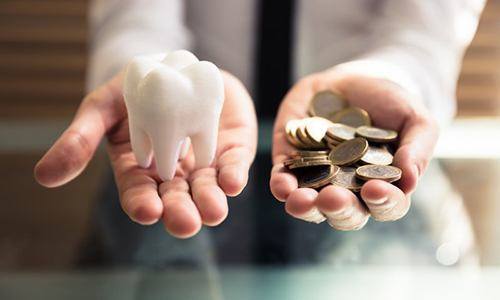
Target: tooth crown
column 170, row 98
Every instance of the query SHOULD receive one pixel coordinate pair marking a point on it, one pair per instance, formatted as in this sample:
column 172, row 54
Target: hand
column 193, row 197
column 389, row 107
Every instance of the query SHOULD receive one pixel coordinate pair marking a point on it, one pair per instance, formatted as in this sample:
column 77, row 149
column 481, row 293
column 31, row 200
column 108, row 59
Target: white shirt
column 418, row 44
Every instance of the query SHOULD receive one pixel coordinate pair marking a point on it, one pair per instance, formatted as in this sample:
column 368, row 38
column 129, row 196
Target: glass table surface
column 257, row 283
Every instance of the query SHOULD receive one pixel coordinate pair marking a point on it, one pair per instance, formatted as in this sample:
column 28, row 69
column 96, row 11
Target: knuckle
column 75, row 152
column 79, row 144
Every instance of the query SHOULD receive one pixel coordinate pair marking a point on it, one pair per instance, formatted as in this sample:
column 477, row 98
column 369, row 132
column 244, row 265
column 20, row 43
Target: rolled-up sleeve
column 122, row 29
column 419, row 45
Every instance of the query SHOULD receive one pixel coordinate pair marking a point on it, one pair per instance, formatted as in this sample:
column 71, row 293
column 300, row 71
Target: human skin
column 195, row 197
column 389, row 106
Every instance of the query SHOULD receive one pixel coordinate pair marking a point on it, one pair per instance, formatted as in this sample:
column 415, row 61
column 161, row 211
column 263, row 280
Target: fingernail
column 378, row 201
column 342, row 214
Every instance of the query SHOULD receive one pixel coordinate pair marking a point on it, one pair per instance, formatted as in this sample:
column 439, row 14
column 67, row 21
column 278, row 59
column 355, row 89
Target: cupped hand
column 389, row 106
column 193, row 197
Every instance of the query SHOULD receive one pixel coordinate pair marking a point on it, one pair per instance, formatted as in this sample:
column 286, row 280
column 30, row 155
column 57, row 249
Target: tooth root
column 141, row 145
column 185, row 148
column 204, row 147
column 166, row 151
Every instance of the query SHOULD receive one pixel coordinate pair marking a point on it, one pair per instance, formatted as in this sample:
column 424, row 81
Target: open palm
column 193, row 197
column 389, row 107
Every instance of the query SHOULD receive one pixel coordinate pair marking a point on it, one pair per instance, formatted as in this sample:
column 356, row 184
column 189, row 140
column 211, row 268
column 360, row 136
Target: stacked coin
column 337, row 145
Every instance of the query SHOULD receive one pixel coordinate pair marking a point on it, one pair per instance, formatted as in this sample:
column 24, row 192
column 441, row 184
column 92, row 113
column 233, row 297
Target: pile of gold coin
column 338, row 145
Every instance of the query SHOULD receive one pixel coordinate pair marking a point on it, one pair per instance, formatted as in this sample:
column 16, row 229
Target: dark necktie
column 272, row 81
column 274, row 44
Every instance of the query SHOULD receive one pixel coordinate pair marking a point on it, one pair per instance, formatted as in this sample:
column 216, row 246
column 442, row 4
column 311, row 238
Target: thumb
column 70, row 154
column 418, row 138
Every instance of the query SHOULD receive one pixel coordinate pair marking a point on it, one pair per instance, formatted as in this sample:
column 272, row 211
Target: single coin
column 349, row 152
column 316, row 176
column 309, row 163
column 314, row 158
column 307, row 159
column 352, row 116
column 331, row 146
column 386, row 173
column 346, row 178
column 377, row 156
column 315, row 129
column 309, row 153
column 377, row 135
column 325, row 103
column 341, row 132
column 332, row 141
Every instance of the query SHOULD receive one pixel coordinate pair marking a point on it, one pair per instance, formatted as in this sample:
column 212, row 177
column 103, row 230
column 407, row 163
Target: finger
column 342, row 208
column 208, row 196
column 385, row 201
column 415, row 150
column 237, row 140
column 282, row 182
column 137, row 187
column 233, row 166
column 300, row 204
column 70, row 154
column 180, row 215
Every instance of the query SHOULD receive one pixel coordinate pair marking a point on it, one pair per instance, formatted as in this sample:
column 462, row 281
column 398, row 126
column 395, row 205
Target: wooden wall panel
column 42, row 57
column 478, row 90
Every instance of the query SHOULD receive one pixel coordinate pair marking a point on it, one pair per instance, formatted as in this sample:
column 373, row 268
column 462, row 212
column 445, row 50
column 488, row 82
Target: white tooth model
column 170, row 98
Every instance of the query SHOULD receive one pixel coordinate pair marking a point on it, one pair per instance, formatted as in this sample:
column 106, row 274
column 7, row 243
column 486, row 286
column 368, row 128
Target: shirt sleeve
column 420, row 45
column 122, row 29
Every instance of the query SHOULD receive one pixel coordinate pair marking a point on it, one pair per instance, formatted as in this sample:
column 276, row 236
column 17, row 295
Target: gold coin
column 309, row 163
column 352, row 116
column 346, row 178
column 291, row 132
column 386, row 173
column 341, row 132
column 325, row 103
column 332, row 141
column 377, row 135
column 349, row 152
column 302, row 136
column 377, row 156
column 309, row 153
column 316, row 176
column 314, row 158
column 299, row 160
column 315, row 129
column 291, row 161
column 331, row 146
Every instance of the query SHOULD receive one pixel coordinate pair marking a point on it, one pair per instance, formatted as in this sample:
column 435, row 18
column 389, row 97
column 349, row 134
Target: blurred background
column 43, row 47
